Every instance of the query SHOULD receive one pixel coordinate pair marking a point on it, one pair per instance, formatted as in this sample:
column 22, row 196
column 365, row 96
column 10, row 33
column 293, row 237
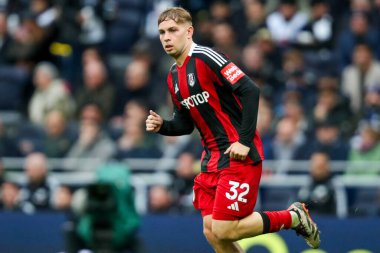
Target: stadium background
column 78, row 77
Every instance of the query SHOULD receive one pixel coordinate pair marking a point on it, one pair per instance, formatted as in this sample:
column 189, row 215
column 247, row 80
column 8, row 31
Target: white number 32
column 233, row 190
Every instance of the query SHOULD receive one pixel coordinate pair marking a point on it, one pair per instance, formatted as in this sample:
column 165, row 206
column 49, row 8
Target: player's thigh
column 236, row 193
column 207, row 226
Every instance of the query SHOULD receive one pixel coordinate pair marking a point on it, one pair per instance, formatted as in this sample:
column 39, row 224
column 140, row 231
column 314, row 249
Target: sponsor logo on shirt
column 195, row 100
column 232, row 73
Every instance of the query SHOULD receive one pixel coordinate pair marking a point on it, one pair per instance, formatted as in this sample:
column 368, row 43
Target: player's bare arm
column 153, row 122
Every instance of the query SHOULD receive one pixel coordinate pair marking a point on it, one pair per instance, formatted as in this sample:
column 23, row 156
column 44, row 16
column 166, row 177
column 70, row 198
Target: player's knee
column 208, row 234
column 223, row 232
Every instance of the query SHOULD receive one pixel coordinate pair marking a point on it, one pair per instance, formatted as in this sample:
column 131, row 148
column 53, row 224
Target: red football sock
column 275, row 221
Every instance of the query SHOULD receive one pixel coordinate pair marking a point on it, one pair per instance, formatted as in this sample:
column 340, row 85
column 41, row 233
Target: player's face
column 174, row 37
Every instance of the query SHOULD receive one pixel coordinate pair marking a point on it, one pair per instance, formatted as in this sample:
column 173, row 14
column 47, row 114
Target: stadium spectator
column 136, row 84
column 203, row 28
column 298, row 78
column 328, row 139
column 8, row 146
column 319, row 195
column 183, row 183
column 220, row 11
column 254, row 19
column 359, row 31
column 2, row 172
column 272, row 53
column 293, row 109
column 285, row 23
column 371, row 112
column 318, row 33
column 134, row 143
column 256, row 66
column 265, row 127
column 364, row 73
column 38, row 189
column 29, row 43
column 331, row 105
column 45, row 13
column 171, row 147
column 68, row 22
column 253, row 61
column 288, row 143
column 92, row 112
column 29, row 138
column 90, row 55
column 224, row 40
column 365, row 147
column 62, row 199
column 92, row 148
column 376, row 11
column 9, row 197
column 66, row 47
column 134, row 111
column 96, row 89
column 51, row 94
column 361, row 5
column 92, row 24
column 58, row 138
column 292, row 65
column 160, row 200
column 4, row 38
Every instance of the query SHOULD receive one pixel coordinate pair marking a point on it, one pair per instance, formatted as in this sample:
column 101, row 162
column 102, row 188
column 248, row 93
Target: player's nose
column 166, row 37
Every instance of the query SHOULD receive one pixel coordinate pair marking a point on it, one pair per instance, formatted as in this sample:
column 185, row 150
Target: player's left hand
column 237, row 151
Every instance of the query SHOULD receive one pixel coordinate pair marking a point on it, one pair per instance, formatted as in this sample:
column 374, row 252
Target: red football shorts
column 228, row 194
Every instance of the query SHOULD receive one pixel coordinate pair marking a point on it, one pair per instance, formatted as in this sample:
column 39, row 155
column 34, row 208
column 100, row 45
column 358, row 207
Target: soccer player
column 211, row 93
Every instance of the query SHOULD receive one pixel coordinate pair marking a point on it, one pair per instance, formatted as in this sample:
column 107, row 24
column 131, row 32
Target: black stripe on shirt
column 209, row 116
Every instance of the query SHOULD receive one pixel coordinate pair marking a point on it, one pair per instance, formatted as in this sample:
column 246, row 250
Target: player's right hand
column 153, row 122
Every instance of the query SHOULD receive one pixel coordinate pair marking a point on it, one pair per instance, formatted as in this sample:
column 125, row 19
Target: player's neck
column 181, row 59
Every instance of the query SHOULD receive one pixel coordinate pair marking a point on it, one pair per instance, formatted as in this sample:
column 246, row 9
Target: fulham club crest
column 191, row 79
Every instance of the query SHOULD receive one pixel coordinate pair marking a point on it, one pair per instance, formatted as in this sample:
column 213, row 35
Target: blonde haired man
column 211, row 93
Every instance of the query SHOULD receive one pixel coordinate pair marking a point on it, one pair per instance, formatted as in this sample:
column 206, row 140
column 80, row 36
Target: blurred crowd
column 77, row 78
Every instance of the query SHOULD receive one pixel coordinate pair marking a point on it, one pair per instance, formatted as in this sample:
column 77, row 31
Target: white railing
column 148, row 172
column 169, row 164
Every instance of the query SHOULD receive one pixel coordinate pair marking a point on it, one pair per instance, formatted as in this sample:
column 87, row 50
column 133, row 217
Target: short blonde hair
column 178, row 14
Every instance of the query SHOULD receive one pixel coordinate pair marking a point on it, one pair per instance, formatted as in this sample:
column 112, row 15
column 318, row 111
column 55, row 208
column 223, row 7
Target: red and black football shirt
column 214, row 95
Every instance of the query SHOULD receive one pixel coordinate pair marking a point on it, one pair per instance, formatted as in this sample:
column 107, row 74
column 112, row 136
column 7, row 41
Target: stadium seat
column 12, row 84
column 277, row 198
column 123, row 31
column 29, row 138
column 364, row 201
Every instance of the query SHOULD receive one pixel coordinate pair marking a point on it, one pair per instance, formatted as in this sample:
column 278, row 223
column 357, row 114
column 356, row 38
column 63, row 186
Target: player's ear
column 190, row 31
